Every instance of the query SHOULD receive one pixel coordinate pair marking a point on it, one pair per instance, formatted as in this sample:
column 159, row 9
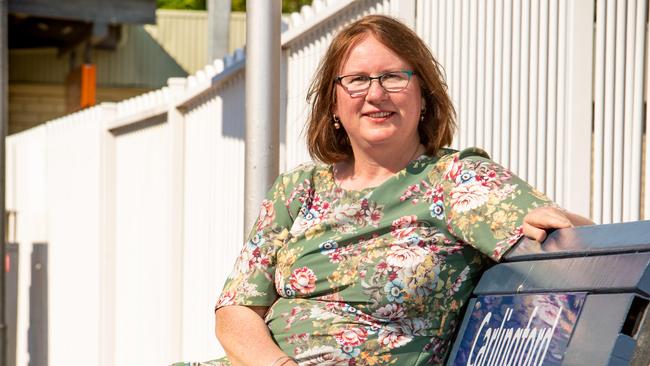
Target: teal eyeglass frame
column 379, row 79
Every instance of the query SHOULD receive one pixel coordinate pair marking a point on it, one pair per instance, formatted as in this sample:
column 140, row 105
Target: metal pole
column 4, row 82
column 218, row 28
column 262, row 102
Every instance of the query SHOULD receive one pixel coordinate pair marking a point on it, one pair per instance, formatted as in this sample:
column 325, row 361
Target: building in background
column 131, row 60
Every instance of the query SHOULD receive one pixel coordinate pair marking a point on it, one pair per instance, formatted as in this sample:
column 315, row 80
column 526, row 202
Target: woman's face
column 379, row 119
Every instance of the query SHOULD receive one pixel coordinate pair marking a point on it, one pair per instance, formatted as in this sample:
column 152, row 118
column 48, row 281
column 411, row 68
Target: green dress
column 377, row 276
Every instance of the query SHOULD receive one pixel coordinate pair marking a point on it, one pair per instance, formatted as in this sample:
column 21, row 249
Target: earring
column 422, row 114
column 337, row 122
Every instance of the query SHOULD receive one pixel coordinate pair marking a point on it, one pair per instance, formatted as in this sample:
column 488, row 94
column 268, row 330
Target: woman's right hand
column 242, row 332
column 549, row 217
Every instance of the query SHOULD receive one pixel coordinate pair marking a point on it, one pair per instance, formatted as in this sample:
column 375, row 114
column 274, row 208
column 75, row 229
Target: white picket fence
column 141, row 202
column 516, row 71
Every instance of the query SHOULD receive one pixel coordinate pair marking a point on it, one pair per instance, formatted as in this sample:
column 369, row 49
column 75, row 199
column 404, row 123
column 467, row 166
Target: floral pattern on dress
column 377, row 276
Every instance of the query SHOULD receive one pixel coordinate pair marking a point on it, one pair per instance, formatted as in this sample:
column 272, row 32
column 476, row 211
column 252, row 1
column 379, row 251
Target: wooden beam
column 106, row 11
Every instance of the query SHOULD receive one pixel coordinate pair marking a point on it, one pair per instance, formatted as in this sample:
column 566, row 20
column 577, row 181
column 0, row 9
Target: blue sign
column 530, row 329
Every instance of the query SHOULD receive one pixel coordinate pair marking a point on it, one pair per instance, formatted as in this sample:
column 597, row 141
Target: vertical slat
column 533, row 98
column 579, row 76
column 289, row 106
column 420, row 26
column 599, row 113
column 472, row 81
column 307, row 71
column 480, row 77
column 440, row 36
column 464, row 117
column 497, row 87
column 436, row 34
column 637, row 113
column 302, row 75
column 313, row 53
column 284, row 62
column 431, row 9
column 488, row 100
column 506, row 72
column 428, row 22
column 628, row 122
column 561, row 105
column 291, row 110
column 457, row 66
column 447, row 14
column 608, row 133
column 515, row 102
column 619, row 114
column 551, row 95
column 542, row 64
column 448, row 24
column 524, row 106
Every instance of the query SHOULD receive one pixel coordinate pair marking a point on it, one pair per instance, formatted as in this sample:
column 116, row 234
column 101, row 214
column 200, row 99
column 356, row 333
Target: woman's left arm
column 549, row 217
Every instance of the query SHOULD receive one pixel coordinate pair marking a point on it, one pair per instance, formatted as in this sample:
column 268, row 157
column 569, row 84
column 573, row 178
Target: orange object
column 88, row 85
column 81, row 85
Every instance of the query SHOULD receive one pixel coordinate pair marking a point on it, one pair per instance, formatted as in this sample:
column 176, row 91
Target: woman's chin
column 388, row 143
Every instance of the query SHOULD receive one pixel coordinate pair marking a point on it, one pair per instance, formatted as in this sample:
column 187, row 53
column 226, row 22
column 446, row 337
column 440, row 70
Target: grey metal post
column 4, row 89
column 218, row 28
column 262, row 102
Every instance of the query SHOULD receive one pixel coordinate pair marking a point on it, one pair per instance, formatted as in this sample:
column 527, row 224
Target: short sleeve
column 251, row 282
column 485, row 203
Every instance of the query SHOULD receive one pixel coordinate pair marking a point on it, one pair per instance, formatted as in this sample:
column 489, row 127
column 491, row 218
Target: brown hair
column 331, row 145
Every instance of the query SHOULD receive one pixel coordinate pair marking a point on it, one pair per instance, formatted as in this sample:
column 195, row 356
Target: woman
column 368, row 256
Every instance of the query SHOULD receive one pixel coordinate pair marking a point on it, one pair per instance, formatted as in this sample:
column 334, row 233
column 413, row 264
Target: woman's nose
column 375, row 91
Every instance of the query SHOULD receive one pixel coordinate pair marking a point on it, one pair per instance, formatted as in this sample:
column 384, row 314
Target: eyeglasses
column 392, row 82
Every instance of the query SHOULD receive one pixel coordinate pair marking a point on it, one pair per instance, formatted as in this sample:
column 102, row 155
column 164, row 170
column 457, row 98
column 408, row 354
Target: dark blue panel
column 533, row 328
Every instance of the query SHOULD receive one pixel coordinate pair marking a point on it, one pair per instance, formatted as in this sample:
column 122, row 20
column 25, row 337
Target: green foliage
column 182, row 4
column 238, row 5
column 288, row 6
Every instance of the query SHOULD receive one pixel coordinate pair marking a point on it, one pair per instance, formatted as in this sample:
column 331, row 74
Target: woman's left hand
column 543, row 218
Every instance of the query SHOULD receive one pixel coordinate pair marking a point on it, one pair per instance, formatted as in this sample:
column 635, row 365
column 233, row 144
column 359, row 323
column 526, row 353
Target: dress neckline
column 367, row 190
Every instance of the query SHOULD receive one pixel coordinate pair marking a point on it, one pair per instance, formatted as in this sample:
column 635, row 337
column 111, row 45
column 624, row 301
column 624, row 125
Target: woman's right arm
column 250, row 290
column 245, row 336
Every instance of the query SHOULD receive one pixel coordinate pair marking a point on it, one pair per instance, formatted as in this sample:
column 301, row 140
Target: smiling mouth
column 379, row 114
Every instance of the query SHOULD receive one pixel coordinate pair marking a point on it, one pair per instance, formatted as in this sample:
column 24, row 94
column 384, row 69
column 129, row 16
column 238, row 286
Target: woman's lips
column 378, row 116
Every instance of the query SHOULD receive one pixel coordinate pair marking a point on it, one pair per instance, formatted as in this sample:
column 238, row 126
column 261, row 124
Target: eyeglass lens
column 390, row 81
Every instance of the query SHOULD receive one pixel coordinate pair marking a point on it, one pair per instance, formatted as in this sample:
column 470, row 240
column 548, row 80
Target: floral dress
column 377, row 276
